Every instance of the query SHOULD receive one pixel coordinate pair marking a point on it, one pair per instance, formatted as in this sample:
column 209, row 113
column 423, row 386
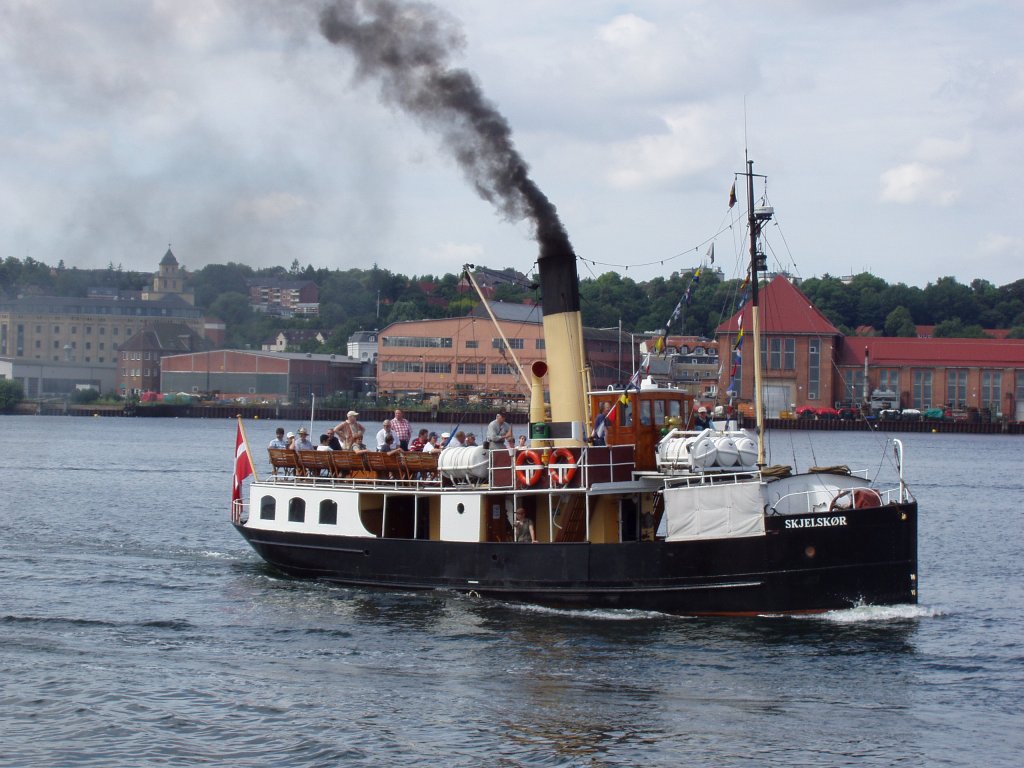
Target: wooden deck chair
column 421, row 466
column 384, row 466
column 348, row 464
column 285, row 461
column 317, row 463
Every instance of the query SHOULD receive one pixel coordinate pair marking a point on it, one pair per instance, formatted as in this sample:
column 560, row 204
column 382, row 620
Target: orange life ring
column 561, row 475
column 528, row 477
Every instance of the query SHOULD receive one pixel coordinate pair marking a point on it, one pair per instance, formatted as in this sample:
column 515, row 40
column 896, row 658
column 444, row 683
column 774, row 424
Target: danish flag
column 243, row 465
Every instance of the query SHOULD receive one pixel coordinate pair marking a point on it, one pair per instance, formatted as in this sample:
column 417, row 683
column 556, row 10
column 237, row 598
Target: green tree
column 11, row 394
column 954, row 328
column 900, row 323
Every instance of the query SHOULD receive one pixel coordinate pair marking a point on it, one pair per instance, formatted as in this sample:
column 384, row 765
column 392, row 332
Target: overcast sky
column 890, row 133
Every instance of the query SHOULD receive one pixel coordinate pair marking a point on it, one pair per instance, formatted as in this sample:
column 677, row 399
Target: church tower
column 169, row 281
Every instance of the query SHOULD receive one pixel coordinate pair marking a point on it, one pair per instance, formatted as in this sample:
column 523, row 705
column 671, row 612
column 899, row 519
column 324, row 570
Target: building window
column 501, row 369
column 498, row 343
column 775, row 355
column 471, row 369
column 788, row 354
column 853, row 385
column 472, row 344
column 921, row 392
column 539, row 344
column 417, row 341
column 992, row 391
column 813, row 369
column 889, row 379
column 956, row 387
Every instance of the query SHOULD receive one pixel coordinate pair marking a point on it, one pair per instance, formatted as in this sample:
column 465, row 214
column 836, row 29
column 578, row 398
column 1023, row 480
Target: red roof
column 784, row 309
column 898, row 351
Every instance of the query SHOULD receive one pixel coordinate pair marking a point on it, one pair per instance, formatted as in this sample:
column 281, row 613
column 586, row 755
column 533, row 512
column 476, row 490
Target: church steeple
column 169, row 280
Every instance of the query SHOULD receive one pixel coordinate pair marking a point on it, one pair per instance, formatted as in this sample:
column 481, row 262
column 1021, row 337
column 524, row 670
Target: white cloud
column 687, row 146
column 917, row 183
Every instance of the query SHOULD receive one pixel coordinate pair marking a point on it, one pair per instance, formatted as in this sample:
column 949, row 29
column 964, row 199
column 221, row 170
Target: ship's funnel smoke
column 406, row 46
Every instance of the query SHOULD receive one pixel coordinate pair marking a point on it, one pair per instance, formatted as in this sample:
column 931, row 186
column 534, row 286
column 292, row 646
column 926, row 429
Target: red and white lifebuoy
column 529, row 468
column 561, row 466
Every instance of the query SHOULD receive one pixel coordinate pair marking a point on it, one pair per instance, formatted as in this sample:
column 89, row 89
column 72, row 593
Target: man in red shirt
column 401, row 430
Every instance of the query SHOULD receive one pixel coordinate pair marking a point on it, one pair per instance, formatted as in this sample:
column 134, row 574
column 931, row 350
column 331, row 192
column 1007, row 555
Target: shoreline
column 301, row 414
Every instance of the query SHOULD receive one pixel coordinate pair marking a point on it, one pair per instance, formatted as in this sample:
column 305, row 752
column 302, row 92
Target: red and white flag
column 243, row 465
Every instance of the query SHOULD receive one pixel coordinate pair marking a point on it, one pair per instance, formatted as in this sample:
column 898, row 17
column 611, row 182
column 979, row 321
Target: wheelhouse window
column 268, row 508
column 296, row 510
column 328, row 512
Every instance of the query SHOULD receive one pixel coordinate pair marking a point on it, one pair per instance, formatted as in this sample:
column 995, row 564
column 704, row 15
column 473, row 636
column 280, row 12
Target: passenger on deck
column 522, row 443
column 703, row 421
column 289, row 441
column 498, row 430
column 302, row 442
column 431, row 445
column 470, row 440
column 458, row 440
column 420, row 440
column 401, row 430
column 443, row 440
column 600, row 426
column 350, row 431
column 333, row 440
column 279, row 440
column 325, row 443
column 383, row 434
column 523, row 528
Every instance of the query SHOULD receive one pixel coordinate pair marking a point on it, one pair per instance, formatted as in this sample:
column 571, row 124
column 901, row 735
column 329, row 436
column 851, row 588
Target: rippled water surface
column 137, row 628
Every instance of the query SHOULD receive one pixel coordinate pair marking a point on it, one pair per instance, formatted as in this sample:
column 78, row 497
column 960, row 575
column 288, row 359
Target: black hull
column 870, row 559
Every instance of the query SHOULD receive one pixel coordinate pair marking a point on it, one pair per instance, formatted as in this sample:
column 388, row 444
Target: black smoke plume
column 406, row 46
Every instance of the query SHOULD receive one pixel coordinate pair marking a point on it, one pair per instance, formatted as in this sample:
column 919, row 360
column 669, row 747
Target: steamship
column 662, row 517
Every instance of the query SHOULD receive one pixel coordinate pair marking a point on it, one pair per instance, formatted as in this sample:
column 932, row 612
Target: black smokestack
column 406, row 47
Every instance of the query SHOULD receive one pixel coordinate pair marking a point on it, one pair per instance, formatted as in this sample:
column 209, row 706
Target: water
column 137, row 628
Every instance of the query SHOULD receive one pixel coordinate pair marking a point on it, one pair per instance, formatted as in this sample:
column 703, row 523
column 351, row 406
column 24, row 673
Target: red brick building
column 466, row 356
column 806, row 361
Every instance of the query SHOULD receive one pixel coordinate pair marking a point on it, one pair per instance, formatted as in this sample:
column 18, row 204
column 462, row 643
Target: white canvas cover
column 720, row 511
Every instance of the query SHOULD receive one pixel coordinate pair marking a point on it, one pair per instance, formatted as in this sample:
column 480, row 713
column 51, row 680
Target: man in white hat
column 302, row 442
column 703, row 421
column 350, row 431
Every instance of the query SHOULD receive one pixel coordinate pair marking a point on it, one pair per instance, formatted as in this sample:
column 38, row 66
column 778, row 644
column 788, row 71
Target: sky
column 890, row 134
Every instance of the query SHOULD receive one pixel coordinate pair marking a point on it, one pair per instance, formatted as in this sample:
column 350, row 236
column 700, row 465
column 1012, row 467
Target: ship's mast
column 755, row 219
